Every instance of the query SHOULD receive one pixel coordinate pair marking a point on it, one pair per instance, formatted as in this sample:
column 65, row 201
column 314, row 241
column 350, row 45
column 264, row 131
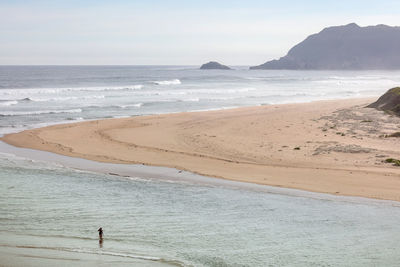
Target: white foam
column 197, row 92
column 75, row 119
column 30, row 91
column 67, row 98
column 8, row 103
column 38, row 112
column 213, row 109
column 120, row 116
column 137, row 105
column 192, row 100
column 168, row 82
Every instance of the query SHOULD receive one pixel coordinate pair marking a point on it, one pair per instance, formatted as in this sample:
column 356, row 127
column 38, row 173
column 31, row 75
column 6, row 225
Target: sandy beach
column 336, row 147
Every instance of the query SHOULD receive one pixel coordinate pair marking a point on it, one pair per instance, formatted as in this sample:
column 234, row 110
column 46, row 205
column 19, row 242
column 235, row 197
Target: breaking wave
column 73, row 89
column 168, row 82
column 67, row 98
column 39, row 112
column 138, row 105
column 8, row 102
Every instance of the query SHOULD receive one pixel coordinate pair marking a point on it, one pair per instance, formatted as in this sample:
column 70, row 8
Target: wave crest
column 138, row 105
column 8, row 102
column 39, row 112
column 67, row 98
column 168, row 82
column 31, row 91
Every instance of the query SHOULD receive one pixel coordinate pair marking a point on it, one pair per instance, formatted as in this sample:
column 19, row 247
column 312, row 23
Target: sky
column 176, row 32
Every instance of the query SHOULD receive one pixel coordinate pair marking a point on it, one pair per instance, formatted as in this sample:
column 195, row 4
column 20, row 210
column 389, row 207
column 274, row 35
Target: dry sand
column 335, row 147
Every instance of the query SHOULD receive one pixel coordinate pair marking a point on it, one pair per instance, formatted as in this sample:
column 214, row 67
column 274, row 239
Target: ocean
column 50, row 211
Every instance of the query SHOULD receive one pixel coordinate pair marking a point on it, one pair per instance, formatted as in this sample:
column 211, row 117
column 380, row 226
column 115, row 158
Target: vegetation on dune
column 395, row 90
column 396, row 162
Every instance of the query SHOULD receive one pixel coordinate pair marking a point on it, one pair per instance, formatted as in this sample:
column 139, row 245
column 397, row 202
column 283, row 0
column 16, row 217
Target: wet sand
column 336, row 147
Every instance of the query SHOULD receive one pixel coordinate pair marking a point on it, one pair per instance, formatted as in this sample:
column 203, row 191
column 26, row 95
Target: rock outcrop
column 389, row 102
column 213, row 65
column 344, row 47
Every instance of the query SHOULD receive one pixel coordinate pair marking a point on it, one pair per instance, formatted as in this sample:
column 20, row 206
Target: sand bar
column 335, row 147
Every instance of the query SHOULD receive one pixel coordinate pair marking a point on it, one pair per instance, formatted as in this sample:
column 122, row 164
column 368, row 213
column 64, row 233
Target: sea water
column 33, row 96
column 48, row 209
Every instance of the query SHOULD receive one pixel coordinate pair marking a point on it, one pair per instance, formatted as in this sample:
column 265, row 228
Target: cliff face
column 344, row 47
column 389, row 102
column 213, row 65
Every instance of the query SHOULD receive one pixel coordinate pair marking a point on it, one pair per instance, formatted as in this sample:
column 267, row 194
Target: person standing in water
column 100, row 233
column 100, row 237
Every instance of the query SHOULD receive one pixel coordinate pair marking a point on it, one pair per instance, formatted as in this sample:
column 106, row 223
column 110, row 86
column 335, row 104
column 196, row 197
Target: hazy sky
column 246, row 32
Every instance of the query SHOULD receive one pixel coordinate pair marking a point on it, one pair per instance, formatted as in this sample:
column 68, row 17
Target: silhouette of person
column 100, row 237
column 100, row 233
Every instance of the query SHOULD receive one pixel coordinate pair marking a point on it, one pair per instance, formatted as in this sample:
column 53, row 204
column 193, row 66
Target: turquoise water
column 51, row 207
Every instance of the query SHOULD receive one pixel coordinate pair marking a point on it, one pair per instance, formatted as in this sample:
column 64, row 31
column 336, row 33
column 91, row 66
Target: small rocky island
column 389, row 102
column 213, row 65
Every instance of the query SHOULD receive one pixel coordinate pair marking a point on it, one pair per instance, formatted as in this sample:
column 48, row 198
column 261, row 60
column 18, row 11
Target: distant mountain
column 389, row 102
column 213, row 65
column 344, row 47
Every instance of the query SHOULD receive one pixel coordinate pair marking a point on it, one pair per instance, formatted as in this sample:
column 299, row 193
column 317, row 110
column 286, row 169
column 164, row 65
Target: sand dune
column 335, row 147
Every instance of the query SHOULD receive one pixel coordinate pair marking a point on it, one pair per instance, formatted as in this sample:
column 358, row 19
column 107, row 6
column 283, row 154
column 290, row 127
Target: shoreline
column 167, row 174
column 249, row 144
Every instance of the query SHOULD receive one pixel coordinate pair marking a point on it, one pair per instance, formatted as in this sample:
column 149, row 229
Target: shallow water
column 51, row 207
